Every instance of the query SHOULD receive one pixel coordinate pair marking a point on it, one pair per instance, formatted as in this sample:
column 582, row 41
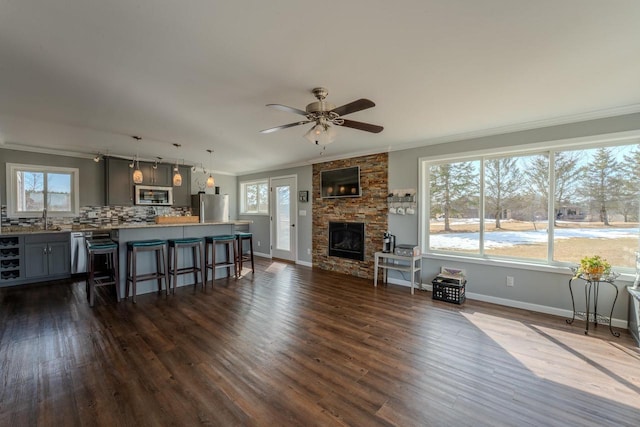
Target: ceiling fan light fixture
column 325, row 115
column 321, row 134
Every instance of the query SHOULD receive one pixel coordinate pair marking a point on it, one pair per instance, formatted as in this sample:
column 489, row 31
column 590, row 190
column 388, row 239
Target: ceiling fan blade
column 352, row 107
column 285, row 126
column 368, row 127
column 287, row 109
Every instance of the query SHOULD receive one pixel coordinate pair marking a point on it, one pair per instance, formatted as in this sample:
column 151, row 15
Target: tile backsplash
column 101, row 216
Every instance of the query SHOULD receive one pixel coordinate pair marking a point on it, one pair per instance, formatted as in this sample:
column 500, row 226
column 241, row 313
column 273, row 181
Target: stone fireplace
column 346, row 240
column 370, row 211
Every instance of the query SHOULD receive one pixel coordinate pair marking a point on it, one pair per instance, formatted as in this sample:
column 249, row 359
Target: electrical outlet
column 92, row 214
column 108, row 214
column 258, row 243
column 510, row 281
column 308, row 251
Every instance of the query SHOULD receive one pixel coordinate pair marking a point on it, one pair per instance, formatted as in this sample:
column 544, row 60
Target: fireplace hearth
column 346, row 240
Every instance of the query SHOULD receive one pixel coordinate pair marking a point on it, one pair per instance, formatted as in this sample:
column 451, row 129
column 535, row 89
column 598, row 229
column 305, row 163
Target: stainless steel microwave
column 149, row 195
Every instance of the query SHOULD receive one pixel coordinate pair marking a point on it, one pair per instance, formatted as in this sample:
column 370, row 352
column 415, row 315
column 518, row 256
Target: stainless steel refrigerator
column 210, row 207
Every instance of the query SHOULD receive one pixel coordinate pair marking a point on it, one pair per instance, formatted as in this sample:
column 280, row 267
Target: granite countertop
column 19, row 230
column 190, row 224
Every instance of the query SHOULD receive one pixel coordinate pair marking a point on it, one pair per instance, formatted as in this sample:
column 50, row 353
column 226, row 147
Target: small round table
column 592, row 285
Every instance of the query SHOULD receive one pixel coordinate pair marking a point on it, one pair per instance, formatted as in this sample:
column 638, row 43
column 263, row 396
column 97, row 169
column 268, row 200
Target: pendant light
column 137, row 173
column 210, row 181
column 177, row 178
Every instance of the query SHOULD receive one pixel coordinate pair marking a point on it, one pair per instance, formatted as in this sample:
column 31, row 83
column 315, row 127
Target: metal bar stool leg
column 116, row 272
column 134, row 282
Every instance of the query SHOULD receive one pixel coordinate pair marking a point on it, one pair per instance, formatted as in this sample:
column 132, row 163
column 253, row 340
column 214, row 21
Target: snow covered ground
column 501, row 239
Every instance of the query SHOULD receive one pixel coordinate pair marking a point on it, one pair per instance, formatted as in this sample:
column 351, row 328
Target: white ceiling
column 83, row 76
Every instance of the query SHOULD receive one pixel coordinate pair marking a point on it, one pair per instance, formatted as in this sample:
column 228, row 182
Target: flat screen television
column 344, row 182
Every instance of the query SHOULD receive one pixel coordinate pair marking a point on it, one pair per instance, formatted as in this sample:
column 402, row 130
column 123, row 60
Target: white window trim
column 424, row 162
column 12, row 190
column 243, row 184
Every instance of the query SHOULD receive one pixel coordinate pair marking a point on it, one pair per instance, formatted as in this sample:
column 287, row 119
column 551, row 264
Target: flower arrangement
column 593, row 267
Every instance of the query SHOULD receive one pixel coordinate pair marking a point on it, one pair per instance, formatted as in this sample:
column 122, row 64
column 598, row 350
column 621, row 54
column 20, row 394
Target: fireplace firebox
column 346, row 240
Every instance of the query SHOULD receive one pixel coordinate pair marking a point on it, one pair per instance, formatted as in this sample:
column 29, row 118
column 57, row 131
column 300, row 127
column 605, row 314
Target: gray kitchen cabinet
column 160, row 176
column 118, row 182
column 182, row 194
column 47, row 256
column 11, row 259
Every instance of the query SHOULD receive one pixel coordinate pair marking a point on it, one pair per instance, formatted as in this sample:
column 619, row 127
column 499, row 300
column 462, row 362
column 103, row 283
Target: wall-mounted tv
column 344, row 182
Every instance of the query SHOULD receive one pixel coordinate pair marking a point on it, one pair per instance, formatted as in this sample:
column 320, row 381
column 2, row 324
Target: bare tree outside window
column 594, row 208
column 455, row 203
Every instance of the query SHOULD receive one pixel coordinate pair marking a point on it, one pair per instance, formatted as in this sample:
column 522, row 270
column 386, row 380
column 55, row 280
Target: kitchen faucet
column 44, row 218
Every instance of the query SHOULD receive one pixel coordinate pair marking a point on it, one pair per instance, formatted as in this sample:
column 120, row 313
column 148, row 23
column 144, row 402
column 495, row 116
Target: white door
column 283, row 218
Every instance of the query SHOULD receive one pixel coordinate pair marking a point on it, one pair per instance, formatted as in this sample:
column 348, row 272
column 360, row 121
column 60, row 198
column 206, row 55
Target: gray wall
column 92, row 177
column 228, row 185
column 547, row 288
column 544, row 289
column 91, row 173
column 261, row 223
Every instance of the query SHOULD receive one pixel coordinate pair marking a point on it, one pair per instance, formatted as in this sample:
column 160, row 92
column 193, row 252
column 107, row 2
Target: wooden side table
column 388, row 261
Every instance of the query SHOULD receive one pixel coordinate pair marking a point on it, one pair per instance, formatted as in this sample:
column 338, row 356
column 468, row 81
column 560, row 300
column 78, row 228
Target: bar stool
column 242, row 256
column 159, row 247
column 111, row 276
column 229, row 242
column 195, row 243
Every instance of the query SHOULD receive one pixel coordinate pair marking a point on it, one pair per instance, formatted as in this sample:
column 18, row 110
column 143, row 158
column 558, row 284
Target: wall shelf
column 401, row 199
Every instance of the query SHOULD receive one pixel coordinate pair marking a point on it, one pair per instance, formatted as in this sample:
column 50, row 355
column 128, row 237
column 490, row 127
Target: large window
column 33, row 188
column 500, row 206
column 254, row 197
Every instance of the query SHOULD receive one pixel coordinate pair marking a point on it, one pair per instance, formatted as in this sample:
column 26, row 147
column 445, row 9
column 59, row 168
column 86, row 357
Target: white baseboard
column 263, row 255
column 618, row 323
column 305, row 263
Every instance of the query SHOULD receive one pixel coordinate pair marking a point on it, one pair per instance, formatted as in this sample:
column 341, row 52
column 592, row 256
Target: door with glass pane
column 283, row 218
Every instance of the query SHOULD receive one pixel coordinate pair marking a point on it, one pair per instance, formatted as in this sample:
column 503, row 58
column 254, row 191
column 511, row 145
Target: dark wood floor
column 295, row 346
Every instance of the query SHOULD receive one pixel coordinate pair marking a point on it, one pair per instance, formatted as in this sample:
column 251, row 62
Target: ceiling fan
column 324, row 114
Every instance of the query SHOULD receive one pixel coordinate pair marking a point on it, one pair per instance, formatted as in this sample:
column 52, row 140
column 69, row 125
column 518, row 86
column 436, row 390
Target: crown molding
column 518, row 127
column 45, row 150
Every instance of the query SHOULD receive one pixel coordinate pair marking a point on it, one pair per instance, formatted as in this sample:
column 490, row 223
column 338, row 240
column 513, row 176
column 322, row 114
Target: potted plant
column 593, row 267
